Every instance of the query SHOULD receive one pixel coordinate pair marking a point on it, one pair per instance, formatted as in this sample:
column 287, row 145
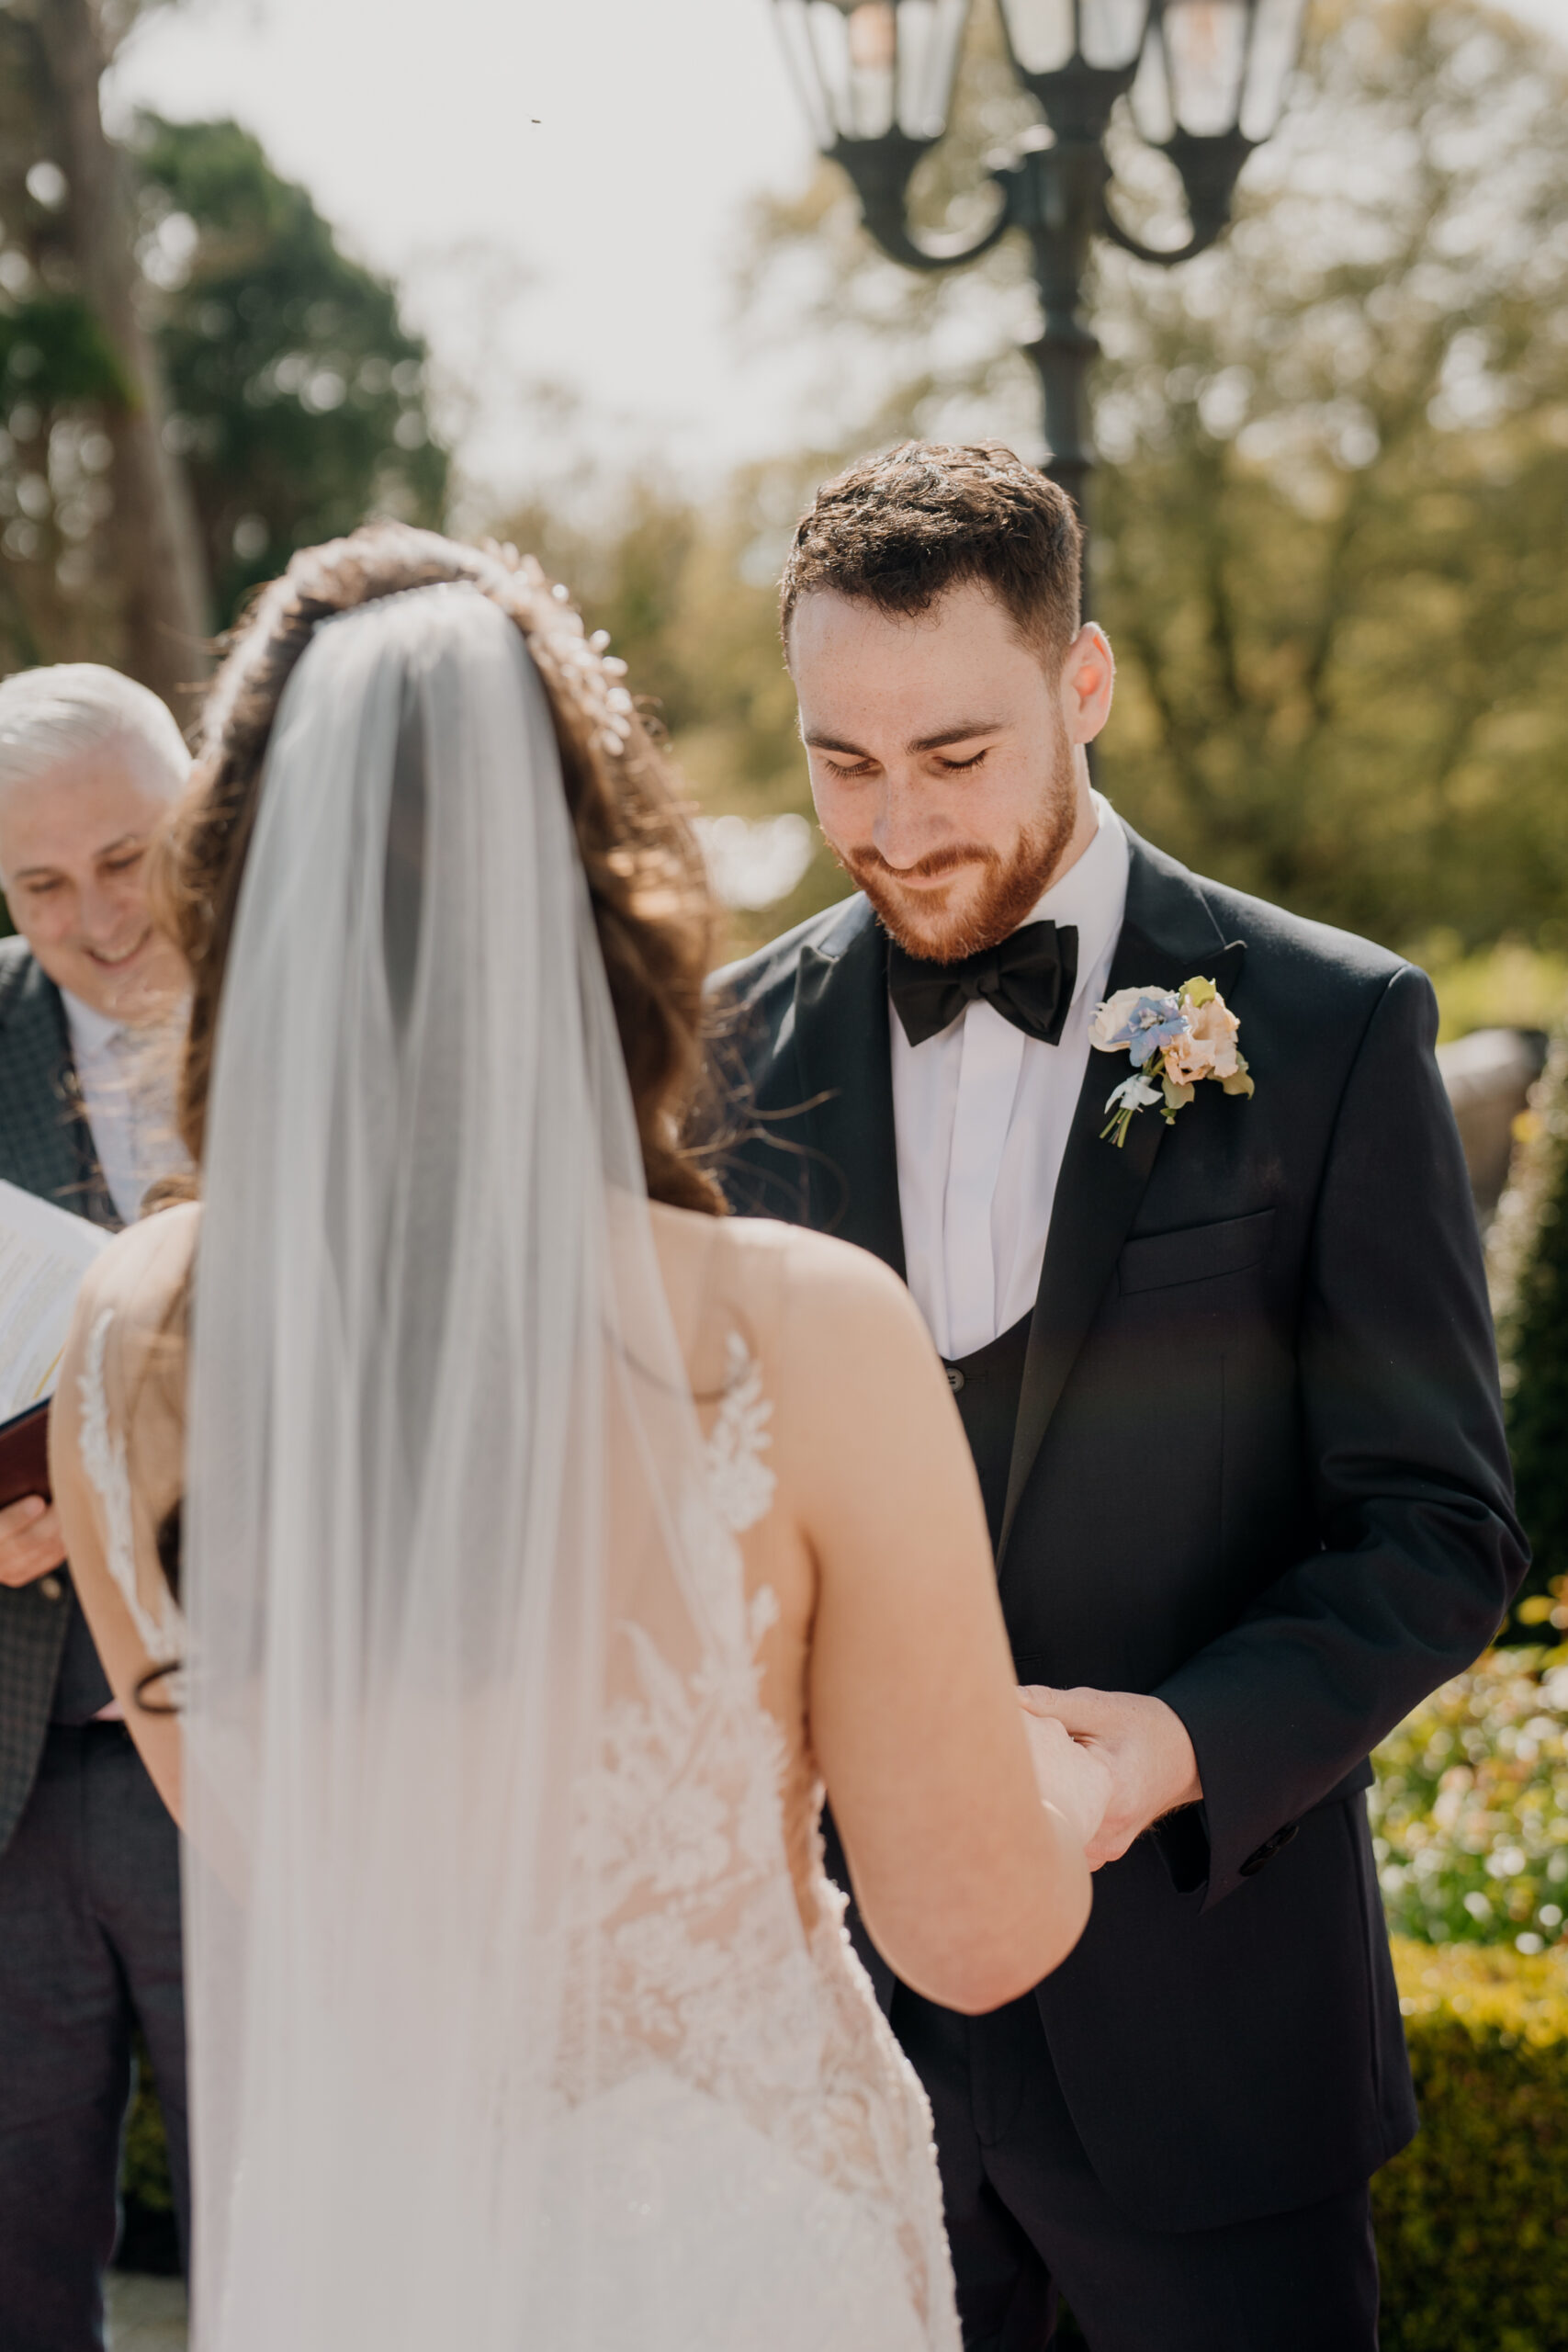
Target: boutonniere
column 1174, row 1039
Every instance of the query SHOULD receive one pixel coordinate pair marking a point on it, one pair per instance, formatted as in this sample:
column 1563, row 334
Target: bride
column 507, row 1548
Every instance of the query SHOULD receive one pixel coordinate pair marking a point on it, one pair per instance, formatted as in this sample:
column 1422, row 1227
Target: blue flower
column 1149, row 1026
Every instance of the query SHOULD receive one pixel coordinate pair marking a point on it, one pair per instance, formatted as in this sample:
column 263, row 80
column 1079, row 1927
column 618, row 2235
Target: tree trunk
column 162, row 569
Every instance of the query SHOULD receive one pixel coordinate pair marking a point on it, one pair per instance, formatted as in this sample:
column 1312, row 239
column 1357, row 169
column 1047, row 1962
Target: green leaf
column 1198, row 993
column 54, row 349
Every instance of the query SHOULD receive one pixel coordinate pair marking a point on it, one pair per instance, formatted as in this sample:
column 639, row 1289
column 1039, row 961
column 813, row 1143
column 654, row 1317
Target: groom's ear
column 1088, row 682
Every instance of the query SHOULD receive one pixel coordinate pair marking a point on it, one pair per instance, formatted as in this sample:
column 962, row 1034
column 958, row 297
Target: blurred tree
column 83, row 403
column 688, row 594
column 1333, row 536
column 290, row 398
column 1328, row 539
column 297, row 395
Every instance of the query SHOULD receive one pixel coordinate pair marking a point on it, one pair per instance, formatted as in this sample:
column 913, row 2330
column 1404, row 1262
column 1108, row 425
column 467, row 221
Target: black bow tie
column 1028, row 980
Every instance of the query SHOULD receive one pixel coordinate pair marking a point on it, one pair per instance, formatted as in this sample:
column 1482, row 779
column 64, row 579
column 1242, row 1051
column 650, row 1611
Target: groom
column 1230, row 1389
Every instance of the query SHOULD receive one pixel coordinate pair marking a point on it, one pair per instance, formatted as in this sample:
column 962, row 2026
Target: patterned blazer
column 46, row 1147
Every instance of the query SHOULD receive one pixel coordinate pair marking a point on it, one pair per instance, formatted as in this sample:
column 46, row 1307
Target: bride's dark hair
column 655, row 914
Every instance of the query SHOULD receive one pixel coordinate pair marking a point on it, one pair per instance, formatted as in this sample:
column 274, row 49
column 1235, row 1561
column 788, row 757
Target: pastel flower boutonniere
column 1174, row 1038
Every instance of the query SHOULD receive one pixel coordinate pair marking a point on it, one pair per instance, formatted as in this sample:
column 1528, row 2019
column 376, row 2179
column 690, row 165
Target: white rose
column 1109, row 1017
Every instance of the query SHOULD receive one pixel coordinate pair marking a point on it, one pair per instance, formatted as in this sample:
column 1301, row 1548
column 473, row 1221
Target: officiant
column 89, row 1859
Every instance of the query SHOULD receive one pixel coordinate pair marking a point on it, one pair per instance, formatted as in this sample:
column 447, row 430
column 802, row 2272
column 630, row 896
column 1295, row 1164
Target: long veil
column 446, row 1543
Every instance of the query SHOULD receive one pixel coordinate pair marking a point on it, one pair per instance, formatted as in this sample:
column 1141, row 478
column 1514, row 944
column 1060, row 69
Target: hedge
column 1472, row 2219
column 149, row 2238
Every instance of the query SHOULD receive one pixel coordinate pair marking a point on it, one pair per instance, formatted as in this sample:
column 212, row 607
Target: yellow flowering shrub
column 1473, row 2218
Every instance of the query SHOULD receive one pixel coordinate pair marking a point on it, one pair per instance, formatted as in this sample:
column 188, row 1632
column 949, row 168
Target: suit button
column 50, row 1588
column 954, row 1377
column 1266, row 1851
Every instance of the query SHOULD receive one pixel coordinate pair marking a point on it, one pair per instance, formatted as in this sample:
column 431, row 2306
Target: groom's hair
column 899, row 530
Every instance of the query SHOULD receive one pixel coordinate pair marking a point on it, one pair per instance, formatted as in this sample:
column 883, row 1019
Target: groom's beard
column 1000, row 889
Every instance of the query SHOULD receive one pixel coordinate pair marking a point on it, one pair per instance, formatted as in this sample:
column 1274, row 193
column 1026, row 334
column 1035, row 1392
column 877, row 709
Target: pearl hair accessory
column 583, row 664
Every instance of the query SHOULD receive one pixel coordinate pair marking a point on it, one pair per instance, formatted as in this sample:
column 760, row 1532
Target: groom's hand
column 1144, row 1747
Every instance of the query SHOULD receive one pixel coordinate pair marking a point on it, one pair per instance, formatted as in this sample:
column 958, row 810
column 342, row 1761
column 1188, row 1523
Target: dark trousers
column 1027, row 2218
column 89, row 1949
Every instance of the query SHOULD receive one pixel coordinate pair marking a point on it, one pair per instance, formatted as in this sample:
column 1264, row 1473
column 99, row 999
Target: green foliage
column 1330, row 544
column 298, row 394
column 145, row 2164
column 1508, row 985
column 1529, row 1268
column 149, row 2235
column 688, row 595
column 1472, row 2219
column 52, row 350
column 1469, row 1814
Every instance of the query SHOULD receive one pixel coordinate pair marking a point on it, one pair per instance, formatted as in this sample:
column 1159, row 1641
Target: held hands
column 1070, row 1777
column 1139, row 1744
column 30, row 1541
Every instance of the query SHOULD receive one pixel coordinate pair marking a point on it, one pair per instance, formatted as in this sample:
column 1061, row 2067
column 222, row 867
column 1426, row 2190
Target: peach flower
column 1209, row 1048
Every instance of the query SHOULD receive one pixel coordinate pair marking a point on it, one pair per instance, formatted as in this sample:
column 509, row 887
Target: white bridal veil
column 472, row 1742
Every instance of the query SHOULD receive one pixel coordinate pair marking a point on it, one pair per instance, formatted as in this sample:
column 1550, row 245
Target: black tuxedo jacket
column 1258, row 1470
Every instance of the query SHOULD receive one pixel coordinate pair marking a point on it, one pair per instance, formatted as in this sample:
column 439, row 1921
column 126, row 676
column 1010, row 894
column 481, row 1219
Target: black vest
column 986, row 1388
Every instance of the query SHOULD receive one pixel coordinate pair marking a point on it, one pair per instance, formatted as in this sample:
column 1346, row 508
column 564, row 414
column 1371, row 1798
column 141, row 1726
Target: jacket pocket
column 1196, row 1253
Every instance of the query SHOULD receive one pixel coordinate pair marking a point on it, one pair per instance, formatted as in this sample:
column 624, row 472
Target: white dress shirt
column 981, row 1113
column 127, row 1077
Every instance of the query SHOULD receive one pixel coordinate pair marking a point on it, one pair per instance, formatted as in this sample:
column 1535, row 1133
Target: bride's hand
column 1070, row 1777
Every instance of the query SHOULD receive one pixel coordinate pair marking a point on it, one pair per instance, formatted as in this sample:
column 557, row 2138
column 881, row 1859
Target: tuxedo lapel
column 845, row 1060
column 1169, row 935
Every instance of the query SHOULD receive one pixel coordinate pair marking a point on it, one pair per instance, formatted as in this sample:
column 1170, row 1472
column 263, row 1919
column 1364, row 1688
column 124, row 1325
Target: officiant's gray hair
column 53, row 715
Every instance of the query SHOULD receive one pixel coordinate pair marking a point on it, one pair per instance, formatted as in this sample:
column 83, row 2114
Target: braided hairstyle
column 656, row 917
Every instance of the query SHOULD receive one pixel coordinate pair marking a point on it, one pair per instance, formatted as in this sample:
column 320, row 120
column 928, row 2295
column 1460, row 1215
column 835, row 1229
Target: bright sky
column 412, row 122
column 415, row 127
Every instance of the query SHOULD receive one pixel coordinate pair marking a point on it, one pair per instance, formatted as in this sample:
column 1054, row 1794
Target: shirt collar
column 91, row 1032
column 1092, row 894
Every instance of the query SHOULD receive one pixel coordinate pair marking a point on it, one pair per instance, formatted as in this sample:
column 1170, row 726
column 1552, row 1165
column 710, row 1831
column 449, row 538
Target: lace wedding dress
column 774, row 2171
column 522, row 2015
column 755, row 2149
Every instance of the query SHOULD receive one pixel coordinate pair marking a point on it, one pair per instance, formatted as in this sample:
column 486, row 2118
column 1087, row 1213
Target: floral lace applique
column 705, row 1966
column 741, row 1484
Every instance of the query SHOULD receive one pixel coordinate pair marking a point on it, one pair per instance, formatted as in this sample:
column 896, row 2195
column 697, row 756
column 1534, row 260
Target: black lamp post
column 1207, row 80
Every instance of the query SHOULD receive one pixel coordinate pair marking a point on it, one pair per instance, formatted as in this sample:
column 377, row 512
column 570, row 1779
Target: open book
column 44, row 1253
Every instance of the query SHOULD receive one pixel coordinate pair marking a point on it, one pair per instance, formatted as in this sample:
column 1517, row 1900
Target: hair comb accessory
column 583, row 663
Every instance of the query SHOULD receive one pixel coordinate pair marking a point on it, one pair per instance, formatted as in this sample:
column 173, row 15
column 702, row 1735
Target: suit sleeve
column 1403, row 1432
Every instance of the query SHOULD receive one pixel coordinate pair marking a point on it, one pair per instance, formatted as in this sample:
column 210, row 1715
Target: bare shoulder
column 143, row 1274
column 846, row 1343
column 815, row 1280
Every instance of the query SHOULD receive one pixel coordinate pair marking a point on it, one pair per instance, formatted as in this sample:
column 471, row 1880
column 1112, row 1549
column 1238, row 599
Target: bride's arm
column 113, row 1483
column 969, row 1885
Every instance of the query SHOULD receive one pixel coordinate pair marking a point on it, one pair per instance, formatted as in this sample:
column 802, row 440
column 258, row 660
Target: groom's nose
column 903, row 830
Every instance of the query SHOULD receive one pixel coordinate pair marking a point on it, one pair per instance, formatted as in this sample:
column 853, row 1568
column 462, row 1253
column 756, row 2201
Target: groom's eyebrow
column 964, row 734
